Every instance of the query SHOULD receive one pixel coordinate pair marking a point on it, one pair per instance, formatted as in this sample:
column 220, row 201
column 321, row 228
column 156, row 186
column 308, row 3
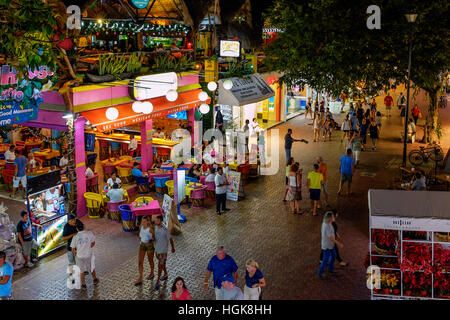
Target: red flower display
column 385, row 239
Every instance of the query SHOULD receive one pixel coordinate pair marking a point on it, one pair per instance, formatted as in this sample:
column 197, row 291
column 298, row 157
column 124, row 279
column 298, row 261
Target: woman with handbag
column 294, row 194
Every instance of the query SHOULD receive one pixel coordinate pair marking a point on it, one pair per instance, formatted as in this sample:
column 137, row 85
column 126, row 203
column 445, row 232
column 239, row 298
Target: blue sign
column 139, row 4
column 182, row 115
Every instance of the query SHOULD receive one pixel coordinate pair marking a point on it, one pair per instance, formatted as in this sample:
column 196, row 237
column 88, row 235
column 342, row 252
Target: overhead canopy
column 161, row 108
column 410, row 204
column 246, row 90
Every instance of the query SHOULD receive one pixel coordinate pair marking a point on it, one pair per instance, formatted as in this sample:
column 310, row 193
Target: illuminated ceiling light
column 204, row 108
column 112, row 113
column 172, row 95
column 99, row 21
column 147, row 107
column 228, row 84
column 203, row 96
column 212, row 86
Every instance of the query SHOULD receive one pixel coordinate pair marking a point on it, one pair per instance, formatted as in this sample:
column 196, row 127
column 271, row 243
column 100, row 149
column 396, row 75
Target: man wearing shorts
column 314, row 184
column 25, row 235
column 323, row 168
column 347, row 167
column 20, row 173
column 69, row 232
column 388, row 103
column 82, row 248
column 162, row 238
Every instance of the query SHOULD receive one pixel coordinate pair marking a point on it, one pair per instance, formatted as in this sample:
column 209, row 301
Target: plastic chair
column 124, row 174
column 211, row 189
column 107, row 171
column 198, row 198
column 160, row 185
column 92, row 183
column 8, row 175
column 128, row 222
column 113, row 210
column 142, row 199
column 94, row 203
column 142, row 185
column 169, row 185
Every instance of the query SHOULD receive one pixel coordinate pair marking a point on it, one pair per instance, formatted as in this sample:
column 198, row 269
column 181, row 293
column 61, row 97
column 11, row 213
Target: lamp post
column 411, row 19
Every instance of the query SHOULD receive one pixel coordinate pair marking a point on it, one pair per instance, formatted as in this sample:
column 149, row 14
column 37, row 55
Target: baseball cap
column 227, row 277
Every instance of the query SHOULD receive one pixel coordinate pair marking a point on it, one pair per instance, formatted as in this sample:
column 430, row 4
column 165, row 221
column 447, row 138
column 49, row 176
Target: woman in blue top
column 254, row 281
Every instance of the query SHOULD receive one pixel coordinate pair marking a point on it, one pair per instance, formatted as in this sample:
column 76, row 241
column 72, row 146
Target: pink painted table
column 150, row 209
column 159, row 175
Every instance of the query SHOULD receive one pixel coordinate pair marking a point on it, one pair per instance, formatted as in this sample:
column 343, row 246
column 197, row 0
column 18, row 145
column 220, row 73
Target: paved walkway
column 286, row 246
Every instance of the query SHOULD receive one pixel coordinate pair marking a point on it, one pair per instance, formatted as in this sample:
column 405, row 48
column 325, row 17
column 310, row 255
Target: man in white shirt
column 82, row 248
column 221, row 191
column 211, row 176
column 89, row 172
column 51, row 199
column 115, row 194
column 158, row 134
column 63, row 162
column 133, row 145
column 9, row 154
column 411, row 131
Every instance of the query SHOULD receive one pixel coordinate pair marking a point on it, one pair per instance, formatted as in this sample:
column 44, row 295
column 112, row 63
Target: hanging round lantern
column 204, row 108
column 212, row 86
column 147, row 107
column 112, row 113
column 228, row 84
column 172, row 95
column 203, row 96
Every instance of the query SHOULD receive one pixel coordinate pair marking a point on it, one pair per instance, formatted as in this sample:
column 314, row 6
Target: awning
column 49, row 120
column 161, row 107
column 246, row 90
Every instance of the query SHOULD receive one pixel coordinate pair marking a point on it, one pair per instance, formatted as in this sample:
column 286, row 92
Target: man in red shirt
column 388, row 103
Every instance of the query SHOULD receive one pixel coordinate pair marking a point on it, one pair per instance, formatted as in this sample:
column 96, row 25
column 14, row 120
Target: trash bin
column 128, row 223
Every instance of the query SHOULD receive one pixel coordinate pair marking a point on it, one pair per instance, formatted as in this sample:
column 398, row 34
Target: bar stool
column 124, row 174
column 113, row 210
column 92, row 183
column 198, row 198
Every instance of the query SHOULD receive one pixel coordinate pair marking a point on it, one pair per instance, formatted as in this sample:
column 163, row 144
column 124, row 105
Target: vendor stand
column 45, row 203
column 410, row 244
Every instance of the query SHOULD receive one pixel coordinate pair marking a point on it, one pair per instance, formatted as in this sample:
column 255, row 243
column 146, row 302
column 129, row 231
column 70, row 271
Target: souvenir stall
column 46, row 204
column 8, row 240
column 409, row 248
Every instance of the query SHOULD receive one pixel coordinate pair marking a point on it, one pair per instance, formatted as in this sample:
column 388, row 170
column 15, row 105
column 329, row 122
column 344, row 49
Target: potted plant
column 113, row 67
column 385, row 241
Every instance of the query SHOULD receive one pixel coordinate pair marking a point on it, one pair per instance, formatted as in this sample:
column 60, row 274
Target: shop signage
column 409, row 224
column 182, row 115
column 153, row 86
column 234, row 178
column 139, row 4
column 230, row 48
column 19, row 101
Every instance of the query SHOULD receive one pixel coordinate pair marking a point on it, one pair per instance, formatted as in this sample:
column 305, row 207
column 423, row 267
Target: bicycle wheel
column 415, row 157
column 437, row 154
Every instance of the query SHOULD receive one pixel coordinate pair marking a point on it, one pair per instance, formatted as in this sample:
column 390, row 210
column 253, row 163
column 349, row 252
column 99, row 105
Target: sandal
column 150, row 278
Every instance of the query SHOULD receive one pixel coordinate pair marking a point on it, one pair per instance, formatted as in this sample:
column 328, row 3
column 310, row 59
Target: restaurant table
column 47, row 154
column 191, row 186
column 152, row 208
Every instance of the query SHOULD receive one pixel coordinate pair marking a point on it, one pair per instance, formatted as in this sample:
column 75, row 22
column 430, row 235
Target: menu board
column 229, row 48
column 234, row 179
column 43, row 182
column 166, row 209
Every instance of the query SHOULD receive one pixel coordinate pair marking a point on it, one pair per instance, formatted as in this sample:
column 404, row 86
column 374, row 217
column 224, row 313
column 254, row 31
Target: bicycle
column 434, row 152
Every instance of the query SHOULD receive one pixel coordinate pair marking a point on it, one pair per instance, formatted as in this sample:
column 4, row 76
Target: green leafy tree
column 326, row 44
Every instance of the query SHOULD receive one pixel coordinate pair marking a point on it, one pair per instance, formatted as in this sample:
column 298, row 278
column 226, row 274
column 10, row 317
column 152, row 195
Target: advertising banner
column 234, row 178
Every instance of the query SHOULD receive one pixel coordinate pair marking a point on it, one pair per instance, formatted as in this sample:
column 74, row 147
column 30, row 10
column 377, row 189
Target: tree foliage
column 327, row 44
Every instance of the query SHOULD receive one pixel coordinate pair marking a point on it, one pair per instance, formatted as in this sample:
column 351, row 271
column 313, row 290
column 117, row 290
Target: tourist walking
column 401, row 101
column 363, row 132
column 416, row 114
column 221, row 191
column 254, row 281
column 229, row 290
column 308, row 109
column 327, row 129
column 353, row 124
column 323, row 169
column 146, row 246
column 342, row 97
column 374, row 133
column 162, row 239
column 294, row 195
column 356, row 146
column 179, row 290
column 347, row 167
column 338, row 237
column 25, row 236
column 20, row 176
column 220, row 265
column 69, row 231
column 378, row 120
column 314, row 184
column 6, row 274
column 388, row 104
column 345, row 127
column 82, row 247
column 288, row 169
column 288, row 140
column 328, row 243
column 373, row 108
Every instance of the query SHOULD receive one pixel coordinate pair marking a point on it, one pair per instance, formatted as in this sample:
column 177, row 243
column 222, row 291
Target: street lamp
column 411, row 17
